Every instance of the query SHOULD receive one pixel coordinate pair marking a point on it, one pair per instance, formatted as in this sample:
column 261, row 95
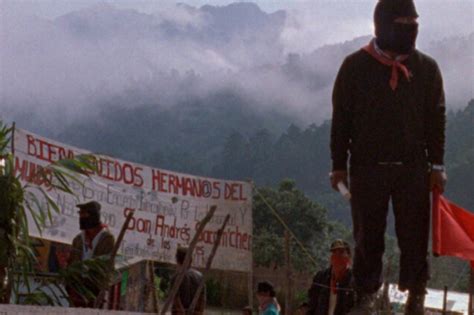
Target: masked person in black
column 94, row 240
column 389, row 116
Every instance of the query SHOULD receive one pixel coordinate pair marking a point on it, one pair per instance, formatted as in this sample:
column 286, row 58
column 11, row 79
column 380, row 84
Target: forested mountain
column 215, row 91
column 238, row 142
column 303, row 154
column 230, row 114
column 460, row 157
column 67, row 69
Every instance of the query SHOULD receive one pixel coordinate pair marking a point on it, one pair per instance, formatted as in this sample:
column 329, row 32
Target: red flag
column 453, row 229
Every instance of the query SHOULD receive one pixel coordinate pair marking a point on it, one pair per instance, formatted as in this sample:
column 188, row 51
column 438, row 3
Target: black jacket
column 318, row 294
column 374, row 123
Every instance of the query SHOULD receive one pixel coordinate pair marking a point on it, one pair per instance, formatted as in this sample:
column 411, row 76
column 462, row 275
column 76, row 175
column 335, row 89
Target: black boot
column 415, row 304
column 365, row 304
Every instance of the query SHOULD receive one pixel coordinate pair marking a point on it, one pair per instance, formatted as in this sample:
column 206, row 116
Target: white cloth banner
column 168, row 205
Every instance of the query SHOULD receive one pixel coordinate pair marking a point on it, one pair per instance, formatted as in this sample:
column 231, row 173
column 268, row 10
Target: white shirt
column 87, row 252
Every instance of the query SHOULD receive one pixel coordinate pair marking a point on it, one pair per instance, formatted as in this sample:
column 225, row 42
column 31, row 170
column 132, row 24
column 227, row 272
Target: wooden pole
column 101, row 295
column 6, row 275
column 208, row 265
column 142, row 300
column 151, row 271
column 288, row 274
column 187, row 260
column 13, row 138
column 250, row 284
column 445, row 300
column 250, row 273
column 121, row 235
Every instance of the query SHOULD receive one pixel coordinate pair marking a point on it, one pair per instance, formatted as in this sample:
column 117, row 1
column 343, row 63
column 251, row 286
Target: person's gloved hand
column 336, row 177
column 438, row 180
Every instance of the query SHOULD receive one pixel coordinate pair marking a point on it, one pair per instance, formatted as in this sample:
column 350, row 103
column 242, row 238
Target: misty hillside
column 208, row 23
column 259, row 151
column 231, row 91
column 237, row 142
column 212, row 91
column 106, row 55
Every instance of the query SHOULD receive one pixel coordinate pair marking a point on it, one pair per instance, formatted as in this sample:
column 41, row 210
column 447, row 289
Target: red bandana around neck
column 340, row 265
column 394, row 63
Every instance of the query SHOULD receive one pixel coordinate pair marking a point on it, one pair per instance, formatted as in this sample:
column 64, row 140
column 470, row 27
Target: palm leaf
column 36, row 219
column 31, row 202
column 50, row 204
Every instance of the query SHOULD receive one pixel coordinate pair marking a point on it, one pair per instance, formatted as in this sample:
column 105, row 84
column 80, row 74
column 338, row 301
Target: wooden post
column 151, row 271
column 143, row 287
column 6, row 275
column 250, row 283
column 445, row 300
column 288, row 274
column 187, row 260
column 250, row 273
column 208, row 265
column 100, row 297
column 13, row 138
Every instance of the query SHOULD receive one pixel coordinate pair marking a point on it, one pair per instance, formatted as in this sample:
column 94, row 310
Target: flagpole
column 471, row 290
column 445, row 300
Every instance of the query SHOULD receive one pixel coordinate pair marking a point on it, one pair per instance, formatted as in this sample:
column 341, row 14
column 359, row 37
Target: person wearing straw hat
column 331, row 292
column 94, row 240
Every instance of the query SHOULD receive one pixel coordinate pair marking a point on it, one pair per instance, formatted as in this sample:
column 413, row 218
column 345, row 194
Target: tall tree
column 235, row 158
column 307, row 220
column 261, row 157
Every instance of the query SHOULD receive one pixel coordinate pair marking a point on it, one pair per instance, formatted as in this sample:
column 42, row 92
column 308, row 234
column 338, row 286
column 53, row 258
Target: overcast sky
column 46, row 64
column 53, row 8
column 345, row 19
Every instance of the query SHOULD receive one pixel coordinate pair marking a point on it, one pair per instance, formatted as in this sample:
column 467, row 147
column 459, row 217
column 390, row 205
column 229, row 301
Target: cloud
column 101, row 54
column 314, row 24
column 182, row 16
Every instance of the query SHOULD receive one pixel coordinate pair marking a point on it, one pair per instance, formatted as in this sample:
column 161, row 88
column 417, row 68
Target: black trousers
column 372, row 188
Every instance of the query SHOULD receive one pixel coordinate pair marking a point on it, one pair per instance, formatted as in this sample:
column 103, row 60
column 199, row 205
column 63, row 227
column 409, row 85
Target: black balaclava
column 397, row 37
column 93, row 220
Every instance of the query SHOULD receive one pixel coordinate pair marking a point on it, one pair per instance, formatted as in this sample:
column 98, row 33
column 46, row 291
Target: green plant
column 306, row 219
column 300, row 297
column 158, row 287
column 213, row 292
column 17, row 200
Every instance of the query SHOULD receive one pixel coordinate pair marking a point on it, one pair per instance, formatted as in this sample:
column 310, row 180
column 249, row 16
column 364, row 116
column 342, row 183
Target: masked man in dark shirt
column 331, row 292
column 389, row 116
